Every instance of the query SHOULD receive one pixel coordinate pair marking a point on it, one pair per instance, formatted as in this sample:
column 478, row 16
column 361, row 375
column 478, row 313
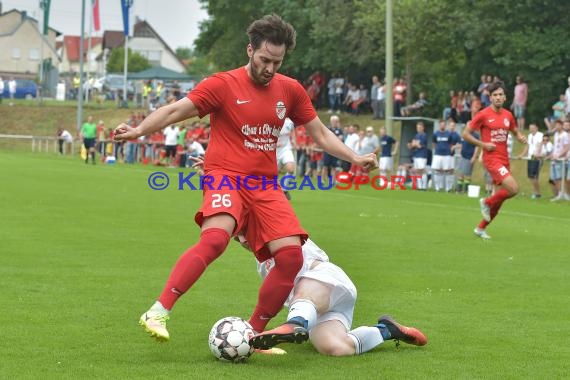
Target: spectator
column 534, row 140
column 171, row 142
column 367, row 143
column 350, row 141
column 520, row 98
column 469, row 153
column 1, row 89
column 300, row 136
column 567, row 98
column 389, row 150
column 352, row 99
column 313, row 91
column 557, row 112
column 561, row 146
column 374, row 97
column 416, row 107
column 418, row 146
column 449, row 111
column 12, row 85
column 64, row 140
column 399, row 96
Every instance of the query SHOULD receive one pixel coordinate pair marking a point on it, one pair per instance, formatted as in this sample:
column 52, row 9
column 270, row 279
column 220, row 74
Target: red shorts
column 499, row 170
column 262, row 213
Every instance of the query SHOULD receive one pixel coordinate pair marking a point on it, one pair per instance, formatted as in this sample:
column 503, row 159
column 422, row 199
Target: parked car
column 25, row 89
column 114, row 83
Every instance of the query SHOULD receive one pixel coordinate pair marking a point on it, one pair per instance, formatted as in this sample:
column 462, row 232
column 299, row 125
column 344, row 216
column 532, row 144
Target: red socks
column 495, row 202
column 277, row 286
column 192, row 264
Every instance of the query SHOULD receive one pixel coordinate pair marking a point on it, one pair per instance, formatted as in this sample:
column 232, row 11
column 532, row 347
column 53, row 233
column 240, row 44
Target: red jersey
column 246, row 119
column 494, row 127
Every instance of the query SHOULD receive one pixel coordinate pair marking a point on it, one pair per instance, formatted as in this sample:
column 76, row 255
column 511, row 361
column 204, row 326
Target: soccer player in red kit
column 247, row 107
column 494, row 124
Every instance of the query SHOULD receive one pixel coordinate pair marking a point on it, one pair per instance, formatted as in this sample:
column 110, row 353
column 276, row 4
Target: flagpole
column 81, row 81
column 88, row 91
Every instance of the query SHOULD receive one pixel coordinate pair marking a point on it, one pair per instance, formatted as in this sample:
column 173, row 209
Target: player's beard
column 257, row 74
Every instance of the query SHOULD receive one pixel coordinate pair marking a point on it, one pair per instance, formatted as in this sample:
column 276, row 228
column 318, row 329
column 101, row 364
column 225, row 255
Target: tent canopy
column 160, row 73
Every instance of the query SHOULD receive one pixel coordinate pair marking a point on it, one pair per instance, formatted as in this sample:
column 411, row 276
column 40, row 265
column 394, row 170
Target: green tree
column 184, row 52
column 136, row 61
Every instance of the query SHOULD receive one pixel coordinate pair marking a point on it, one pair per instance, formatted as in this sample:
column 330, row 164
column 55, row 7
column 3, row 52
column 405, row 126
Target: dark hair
column 273, row 29
column 495, row 86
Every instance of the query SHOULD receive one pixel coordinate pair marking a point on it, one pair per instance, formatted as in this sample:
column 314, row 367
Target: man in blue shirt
column 386, row 162
column 418, row 146
column 442, row 157
column 469, row 154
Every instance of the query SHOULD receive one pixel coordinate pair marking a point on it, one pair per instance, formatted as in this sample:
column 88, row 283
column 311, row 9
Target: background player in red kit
column 494, row 123
column 247, row 107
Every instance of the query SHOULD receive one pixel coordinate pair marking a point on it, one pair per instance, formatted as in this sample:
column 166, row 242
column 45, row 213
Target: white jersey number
column 219, row 200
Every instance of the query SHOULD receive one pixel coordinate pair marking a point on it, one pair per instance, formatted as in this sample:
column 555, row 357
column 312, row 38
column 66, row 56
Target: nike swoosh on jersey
column 242, row 101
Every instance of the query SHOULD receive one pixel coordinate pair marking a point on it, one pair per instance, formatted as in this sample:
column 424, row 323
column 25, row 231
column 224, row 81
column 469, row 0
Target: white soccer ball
column 229, row 339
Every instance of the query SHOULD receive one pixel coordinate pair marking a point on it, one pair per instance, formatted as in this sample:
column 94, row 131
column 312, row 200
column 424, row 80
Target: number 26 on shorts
column 221, row 200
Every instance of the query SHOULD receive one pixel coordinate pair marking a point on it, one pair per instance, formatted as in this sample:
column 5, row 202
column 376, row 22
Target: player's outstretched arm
column 159, row 119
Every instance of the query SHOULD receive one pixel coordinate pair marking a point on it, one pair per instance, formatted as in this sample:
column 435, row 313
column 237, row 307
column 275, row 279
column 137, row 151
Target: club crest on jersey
column 506, row 122
column 280, row 110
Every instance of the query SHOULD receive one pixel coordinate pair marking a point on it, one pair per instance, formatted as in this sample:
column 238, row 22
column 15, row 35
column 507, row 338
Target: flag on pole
column 44, row 5
column 126, row 5
column 96, row 19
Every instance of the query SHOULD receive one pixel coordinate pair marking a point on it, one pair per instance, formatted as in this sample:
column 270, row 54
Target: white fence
column 39, row 143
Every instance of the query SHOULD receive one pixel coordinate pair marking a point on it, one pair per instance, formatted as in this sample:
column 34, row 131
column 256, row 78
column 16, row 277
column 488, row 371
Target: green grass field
column 86, row 249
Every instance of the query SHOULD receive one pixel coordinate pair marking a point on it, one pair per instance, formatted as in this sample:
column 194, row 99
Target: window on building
column 154, row 56
column 34, row 54
column 16, row 54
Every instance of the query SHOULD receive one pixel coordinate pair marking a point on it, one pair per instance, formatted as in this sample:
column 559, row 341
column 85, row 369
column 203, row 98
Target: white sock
column 449, row 180
column 438, row 180
column 305, row 309
column 365, row 338
column 423, row 182
column 158, row 308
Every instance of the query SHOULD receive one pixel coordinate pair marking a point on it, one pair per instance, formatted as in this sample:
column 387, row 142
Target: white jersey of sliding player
column 311, row 252
column 343, row 292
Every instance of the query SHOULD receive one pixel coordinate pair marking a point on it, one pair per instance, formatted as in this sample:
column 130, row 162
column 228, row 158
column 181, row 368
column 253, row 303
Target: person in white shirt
column 171, row 142
column 195, row 149
column 12, row 85
column 561, row 147
column 351, row 141
column 64, row 139
column 534, row 141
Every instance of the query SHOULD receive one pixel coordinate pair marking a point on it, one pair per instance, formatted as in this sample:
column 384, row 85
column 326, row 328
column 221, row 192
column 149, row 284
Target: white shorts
column 343, row 294
column 442, row 163
column 284, row 156
column 386, row 163
column 420, row 163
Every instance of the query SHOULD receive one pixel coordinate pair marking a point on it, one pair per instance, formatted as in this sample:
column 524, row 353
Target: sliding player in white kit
column 323, row 299
column 285, row 156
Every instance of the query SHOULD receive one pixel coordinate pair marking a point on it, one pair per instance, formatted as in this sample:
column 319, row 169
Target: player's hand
column 489, row 147
column 522, row 139
column 198, row 162
column 368, row 161
column 125, row 132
